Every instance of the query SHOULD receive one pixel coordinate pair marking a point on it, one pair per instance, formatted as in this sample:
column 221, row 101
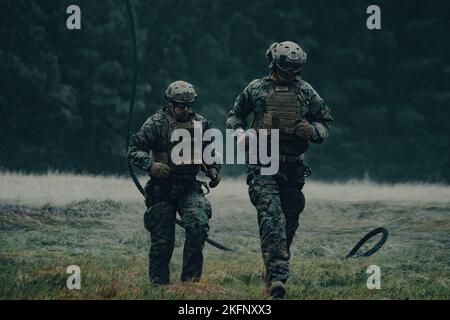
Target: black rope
column 366, row 238
column 130, row 117
column 133, row 96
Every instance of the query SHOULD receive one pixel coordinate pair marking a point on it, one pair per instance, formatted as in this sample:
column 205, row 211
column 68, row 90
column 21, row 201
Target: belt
column 291, row 158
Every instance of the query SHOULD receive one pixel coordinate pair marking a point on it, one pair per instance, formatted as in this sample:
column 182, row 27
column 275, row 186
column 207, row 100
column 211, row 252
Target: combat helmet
column 180, row 92
column 287, row 56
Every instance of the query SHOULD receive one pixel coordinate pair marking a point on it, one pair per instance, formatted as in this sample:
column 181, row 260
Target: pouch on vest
column 191, row 166
column 282, row 111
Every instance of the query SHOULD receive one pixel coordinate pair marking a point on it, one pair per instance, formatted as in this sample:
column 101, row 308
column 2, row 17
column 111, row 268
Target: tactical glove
column 159, row 170
column 304, row 129
column 215, row 177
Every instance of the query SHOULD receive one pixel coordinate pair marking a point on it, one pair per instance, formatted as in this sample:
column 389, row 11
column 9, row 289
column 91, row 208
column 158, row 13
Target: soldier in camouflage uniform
column 173, row 187
column 284, row 101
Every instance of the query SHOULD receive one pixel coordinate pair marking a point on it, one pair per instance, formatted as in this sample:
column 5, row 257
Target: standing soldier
column 173, row 187
column 283, row 101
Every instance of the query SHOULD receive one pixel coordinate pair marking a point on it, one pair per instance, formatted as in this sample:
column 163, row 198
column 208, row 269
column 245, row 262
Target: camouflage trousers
column 278, row 204
column 164, row 199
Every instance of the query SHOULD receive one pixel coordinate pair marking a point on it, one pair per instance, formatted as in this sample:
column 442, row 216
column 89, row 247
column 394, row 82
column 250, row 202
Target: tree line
column 64, row 94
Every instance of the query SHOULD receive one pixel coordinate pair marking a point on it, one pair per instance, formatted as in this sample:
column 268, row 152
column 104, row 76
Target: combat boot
column 277, row 289
column 159, row 282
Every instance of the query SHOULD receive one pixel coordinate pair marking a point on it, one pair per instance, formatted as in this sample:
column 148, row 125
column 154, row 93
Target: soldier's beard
column 181, row 116
column 284, row 76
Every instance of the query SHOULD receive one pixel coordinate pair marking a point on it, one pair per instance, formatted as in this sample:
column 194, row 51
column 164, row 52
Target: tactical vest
column 282, row 111
column 164, row 157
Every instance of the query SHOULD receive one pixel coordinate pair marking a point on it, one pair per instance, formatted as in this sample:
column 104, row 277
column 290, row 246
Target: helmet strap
column 171, row 108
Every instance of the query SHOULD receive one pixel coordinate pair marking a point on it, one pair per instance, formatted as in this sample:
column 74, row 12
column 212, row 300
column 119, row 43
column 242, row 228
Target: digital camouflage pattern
column 180, row 193
column 278, row 198
column 253, row 101
column 286, row 55
column 164, row 199
column 154, row 135
column 278, row 205
column 181, row 92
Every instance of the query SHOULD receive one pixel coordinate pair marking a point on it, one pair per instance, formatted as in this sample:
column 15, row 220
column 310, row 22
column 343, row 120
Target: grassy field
column 52, row 221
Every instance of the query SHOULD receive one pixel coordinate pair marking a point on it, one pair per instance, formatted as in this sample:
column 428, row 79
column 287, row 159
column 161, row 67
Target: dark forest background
column 64, row 94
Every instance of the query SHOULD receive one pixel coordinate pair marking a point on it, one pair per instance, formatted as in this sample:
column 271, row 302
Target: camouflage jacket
column 253, row 101
column 153, row 135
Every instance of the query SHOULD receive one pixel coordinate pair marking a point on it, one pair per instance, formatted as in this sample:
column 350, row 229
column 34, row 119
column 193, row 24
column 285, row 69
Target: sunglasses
column 289, row 66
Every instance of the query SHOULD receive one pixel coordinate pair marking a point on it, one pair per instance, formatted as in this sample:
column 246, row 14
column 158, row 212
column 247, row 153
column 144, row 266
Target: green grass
column 107, row 240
